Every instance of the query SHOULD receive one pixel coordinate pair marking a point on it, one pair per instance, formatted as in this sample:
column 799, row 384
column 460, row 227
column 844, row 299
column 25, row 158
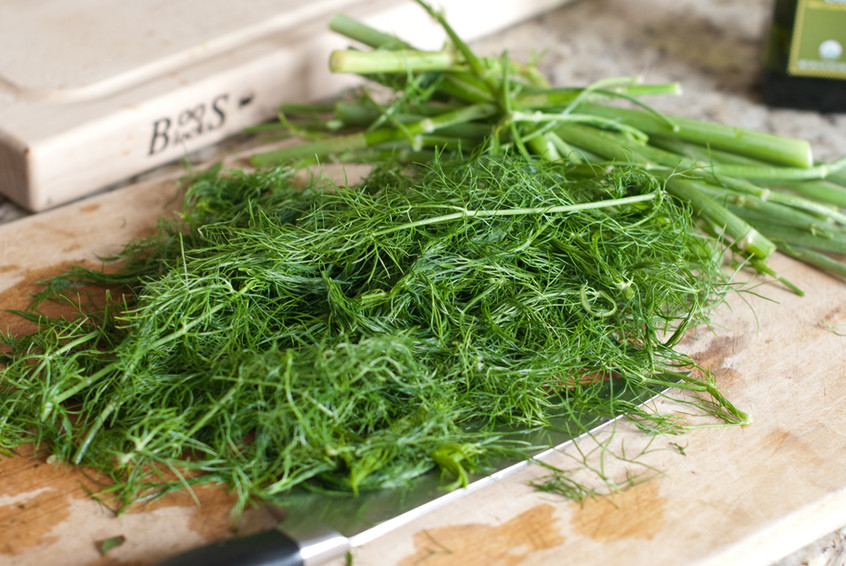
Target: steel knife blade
column 320, row 527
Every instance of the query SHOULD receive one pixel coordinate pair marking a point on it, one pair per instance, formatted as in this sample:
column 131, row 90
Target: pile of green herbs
column 755, row 191
column 354, row 337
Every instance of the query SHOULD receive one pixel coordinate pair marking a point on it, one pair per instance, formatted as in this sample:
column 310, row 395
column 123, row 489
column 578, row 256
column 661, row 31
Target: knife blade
column 317, row 528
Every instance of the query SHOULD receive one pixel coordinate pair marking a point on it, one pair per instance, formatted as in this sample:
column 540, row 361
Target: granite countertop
column 712, row 48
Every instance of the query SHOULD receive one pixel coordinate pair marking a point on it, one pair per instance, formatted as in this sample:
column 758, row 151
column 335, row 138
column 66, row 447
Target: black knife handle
column 268, row 548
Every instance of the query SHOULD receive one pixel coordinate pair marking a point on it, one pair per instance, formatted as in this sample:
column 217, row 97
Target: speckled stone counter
column 712, row 48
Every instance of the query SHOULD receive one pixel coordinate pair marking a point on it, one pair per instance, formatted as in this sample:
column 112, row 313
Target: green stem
column 466, row 87
column 744, row 236
column 764, row 269
column 815, row 172
column 821, row 191
column 95, row 377
column 341, row 144
column 80, row 386
column 760, row 145
column 835, row 243
column 611, row 147
column 545, row 147
column 357, row 31
column 814, row 258
column 365, row 116
column 561, row 98
column 396, row 61
column 692, row 384
column 462, row 86
column 755, row 211
column 604, row 144
column 701, row 153
column 568, row 208
column 95, row 428
column 777, row 207
column 475, row 63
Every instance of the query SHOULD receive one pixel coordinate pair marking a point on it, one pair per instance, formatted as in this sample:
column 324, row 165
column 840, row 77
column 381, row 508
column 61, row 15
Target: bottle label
column 818, row 48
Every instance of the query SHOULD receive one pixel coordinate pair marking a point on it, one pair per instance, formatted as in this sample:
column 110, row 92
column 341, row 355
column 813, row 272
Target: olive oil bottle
column 805, row 57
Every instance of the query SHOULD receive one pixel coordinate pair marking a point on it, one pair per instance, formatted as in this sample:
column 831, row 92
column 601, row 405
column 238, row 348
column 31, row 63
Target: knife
column 320, row 527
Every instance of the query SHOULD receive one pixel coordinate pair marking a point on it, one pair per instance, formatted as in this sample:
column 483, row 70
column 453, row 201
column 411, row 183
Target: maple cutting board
column 95, row 91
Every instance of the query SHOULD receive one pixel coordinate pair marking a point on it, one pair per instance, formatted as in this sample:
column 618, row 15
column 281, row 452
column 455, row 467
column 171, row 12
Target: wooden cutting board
column 737, row 496
column 719, row 495
column 94, row 91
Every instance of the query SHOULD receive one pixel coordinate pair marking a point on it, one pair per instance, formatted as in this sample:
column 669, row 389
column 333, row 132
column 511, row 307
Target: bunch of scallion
column 755, row 191
column 349, row 338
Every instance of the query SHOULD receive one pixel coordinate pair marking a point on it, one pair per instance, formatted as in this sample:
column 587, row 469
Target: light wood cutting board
column 739, row 496
column 724, row 495
column 94, row 91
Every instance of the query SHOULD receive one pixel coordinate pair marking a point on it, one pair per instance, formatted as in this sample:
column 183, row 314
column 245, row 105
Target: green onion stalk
column 754, row 191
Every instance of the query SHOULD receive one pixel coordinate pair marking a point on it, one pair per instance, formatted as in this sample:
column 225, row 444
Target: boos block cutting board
column 719, row 496
column 95, row 91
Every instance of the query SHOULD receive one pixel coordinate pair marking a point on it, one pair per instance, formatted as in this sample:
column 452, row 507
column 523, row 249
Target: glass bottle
column 805, row 57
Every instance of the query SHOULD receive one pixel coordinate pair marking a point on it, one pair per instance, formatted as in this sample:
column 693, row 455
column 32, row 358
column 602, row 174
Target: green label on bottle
column 819, row 39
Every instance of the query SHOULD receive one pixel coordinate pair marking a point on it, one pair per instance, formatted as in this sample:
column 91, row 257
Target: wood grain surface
column 722, row 495
column 719, row 495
